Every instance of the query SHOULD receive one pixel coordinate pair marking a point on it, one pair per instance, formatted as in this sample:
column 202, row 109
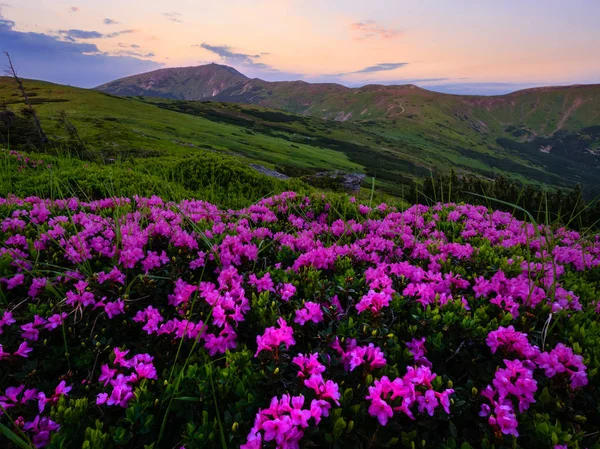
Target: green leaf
column 11, row 436
column 545, row 397
column 348, row 394
column 121, row 436
column 339, row 427
column 452, row 429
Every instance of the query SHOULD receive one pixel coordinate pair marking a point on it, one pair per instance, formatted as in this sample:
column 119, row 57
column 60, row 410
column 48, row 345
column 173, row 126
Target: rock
column 349, row 181
column 268, row 172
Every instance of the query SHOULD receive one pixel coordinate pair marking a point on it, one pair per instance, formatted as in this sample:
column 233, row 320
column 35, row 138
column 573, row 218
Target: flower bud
column 474, row 391
column 450, row 384
column 374, row 333
column 276, row 371
column 235, row 426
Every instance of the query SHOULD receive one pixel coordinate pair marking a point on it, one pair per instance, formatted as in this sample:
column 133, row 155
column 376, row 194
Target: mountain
column 549, row 134
column 187, row 83
column 548, row 137
column 559, row 105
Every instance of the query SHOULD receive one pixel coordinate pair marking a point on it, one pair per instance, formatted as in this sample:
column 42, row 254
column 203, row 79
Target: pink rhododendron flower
column 23, row 350
column 273, row 337
column 562, row 360
column 311, row 312
column 264, row 284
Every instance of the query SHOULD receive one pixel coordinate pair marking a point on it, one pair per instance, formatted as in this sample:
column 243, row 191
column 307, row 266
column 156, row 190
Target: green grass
column 435, row 133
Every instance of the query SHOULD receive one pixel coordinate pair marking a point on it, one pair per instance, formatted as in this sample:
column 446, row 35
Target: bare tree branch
column 10, row 71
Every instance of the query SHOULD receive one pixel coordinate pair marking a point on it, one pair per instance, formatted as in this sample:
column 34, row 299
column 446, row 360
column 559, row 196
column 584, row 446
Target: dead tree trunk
column 10, row 71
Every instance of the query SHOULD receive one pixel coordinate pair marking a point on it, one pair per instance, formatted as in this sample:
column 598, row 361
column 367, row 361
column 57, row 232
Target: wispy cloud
column 134, row 53
column 382, row 67
column 228, row 55
column 370, row 28
column 74, row 9
column 248, row 63
column 80, row 34
column 5, row 23
column 377, row 68
column 173, row 16
column 74, row 34
column 122, row 45
column 108, row 21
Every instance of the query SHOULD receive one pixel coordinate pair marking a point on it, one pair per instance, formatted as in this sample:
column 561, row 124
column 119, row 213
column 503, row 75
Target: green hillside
column 479, row 139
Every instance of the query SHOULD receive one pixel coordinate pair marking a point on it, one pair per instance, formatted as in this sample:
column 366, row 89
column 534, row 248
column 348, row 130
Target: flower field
column 300, row 321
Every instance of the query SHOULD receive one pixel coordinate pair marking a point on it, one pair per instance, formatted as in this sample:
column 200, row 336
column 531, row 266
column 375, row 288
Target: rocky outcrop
column 268, row 172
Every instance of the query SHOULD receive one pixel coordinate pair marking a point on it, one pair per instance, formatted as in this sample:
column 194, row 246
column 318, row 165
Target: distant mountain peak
column 181, row 83
column 223, row 83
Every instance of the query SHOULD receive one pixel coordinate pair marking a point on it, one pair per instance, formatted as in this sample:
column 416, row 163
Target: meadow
column 156, row 291
column 298, row 320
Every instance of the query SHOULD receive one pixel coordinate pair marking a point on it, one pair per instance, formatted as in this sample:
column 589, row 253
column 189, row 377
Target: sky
column 455, row 46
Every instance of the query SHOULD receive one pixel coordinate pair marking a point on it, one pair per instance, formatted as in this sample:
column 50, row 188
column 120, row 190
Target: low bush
column 220, row 179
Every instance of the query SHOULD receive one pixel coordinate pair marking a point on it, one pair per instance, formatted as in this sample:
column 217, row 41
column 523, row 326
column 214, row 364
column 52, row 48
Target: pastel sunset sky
column 455, row 46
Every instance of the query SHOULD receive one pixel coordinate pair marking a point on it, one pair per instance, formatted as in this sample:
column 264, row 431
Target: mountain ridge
column 107, row 86
column 331, row 101
column 556, row 129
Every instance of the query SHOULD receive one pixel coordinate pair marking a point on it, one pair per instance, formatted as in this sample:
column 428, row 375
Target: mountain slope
column 547, row 134
column 392, row 150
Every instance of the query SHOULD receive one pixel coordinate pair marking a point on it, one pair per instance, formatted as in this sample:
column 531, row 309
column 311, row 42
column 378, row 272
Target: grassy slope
column 434, row 132
column 110, row 122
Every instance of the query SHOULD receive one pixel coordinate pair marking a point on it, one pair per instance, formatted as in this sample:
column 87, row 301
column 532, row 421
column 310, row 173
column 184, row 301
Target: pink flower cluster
column 140, row 366
column 380, row 291
column 355, row 356
column 273, row 337
column 40, row 427
column 418, row 350
column 283, row 422
column 403, row 393
column 516, row 382
column 562, row 360
column 310, row 312
column 509, row 340
column 25, row 161
column 286, row 418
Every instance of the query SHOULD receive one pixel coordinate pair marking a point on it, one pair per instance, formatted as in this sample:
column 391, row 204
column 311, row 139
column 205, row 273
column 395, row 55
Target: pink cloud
column 74, row 9
column 370, row 28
